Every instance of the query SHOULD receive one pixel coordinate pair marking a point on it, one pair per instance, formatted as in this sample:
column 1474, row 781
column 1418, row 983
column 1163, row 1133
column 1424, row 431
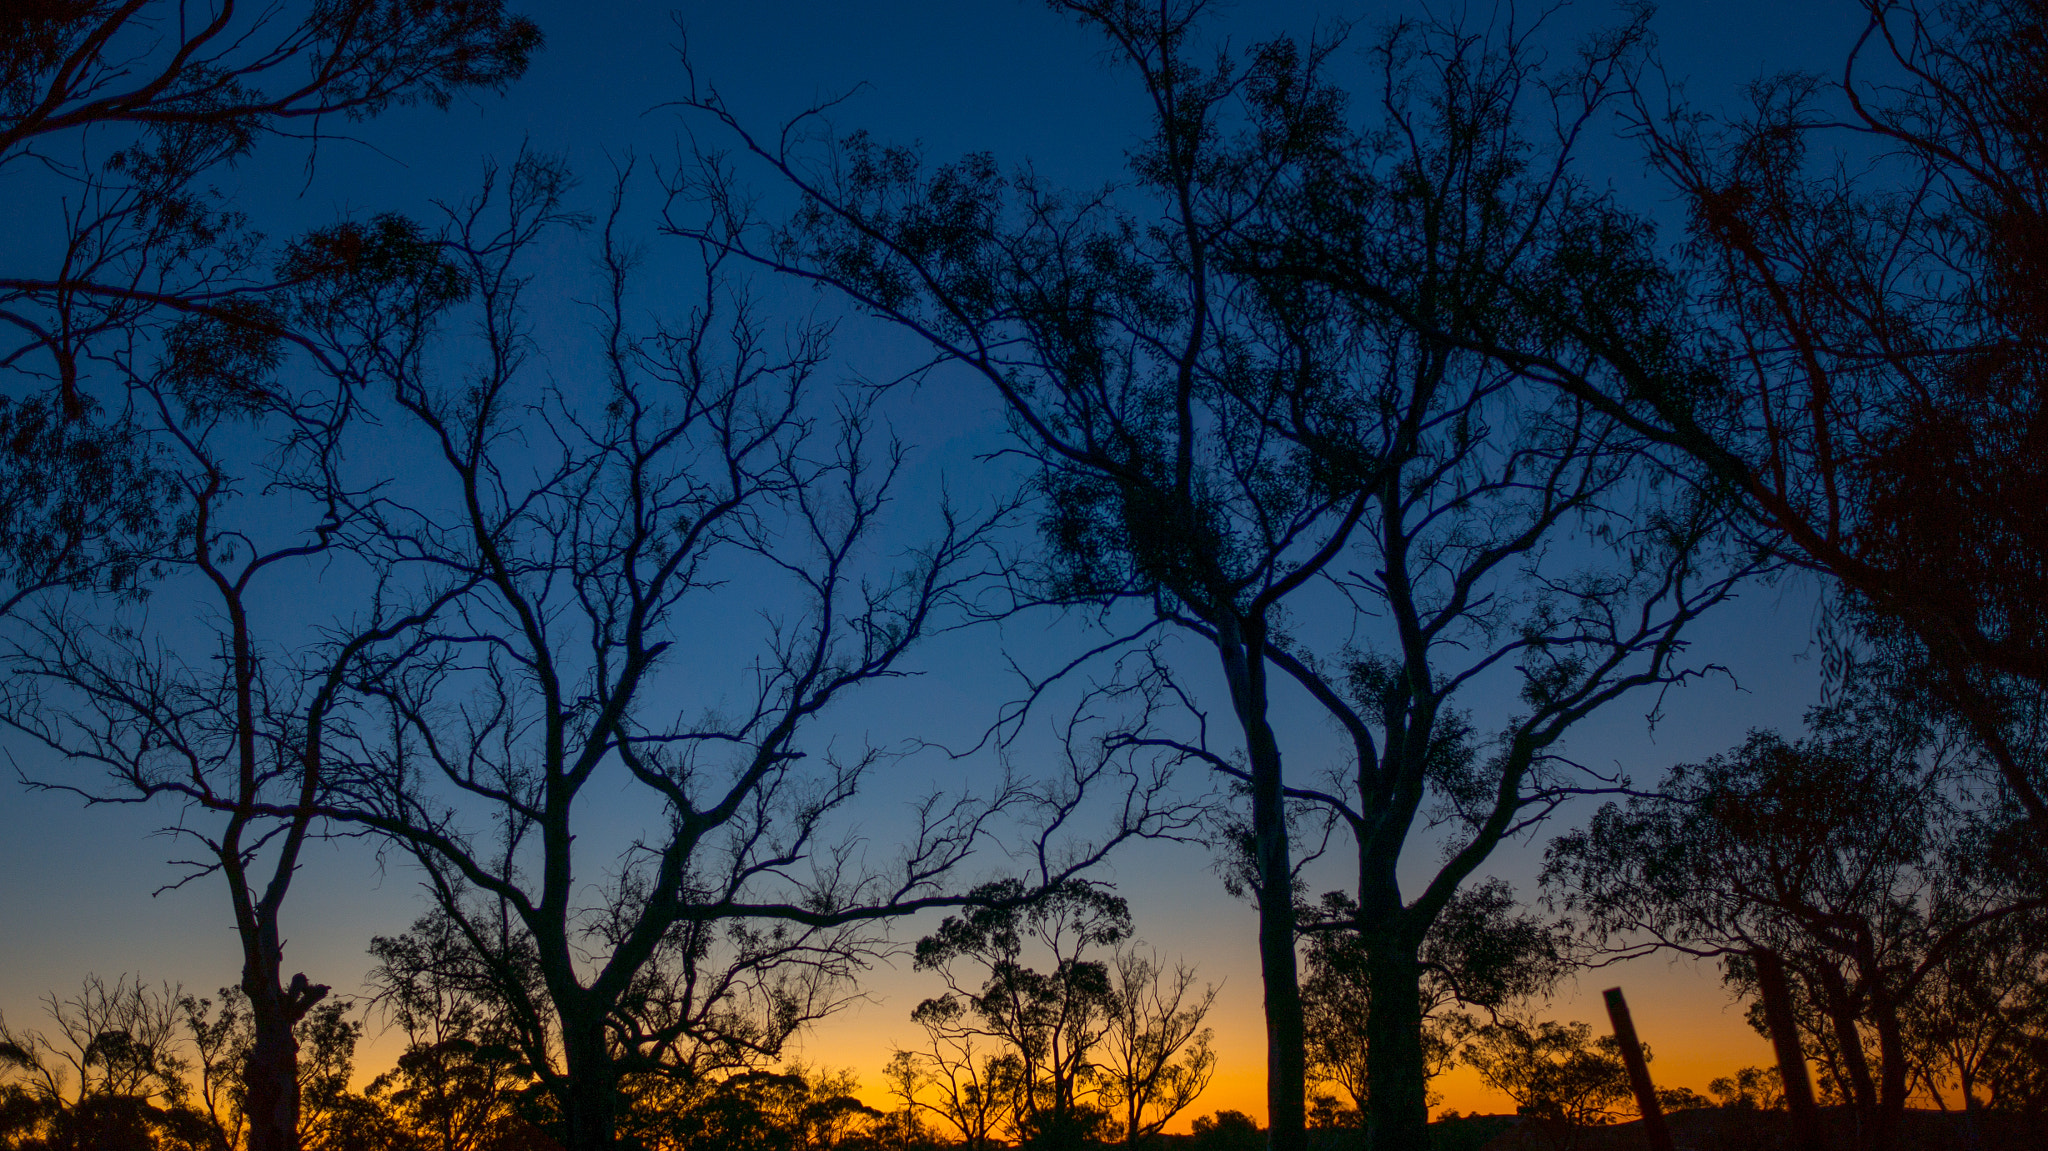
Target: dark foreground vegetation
column 1363, row 445
column 1744, row 1130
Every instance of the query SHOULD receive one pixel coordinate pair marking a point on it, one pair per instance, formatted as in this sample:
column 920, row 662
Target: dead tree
column 616, row 533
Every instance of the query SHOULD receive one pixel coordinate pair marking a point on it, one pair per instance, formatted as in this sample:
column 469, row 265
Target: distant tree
column 791, row 1110
column 957, row 1076
column 111, row 1079
column 1046, row 1024
column 1750, row 1089
column 1558, row 1074
column 1098, row 1048
column 1227, row 1131
column 1154, row 1058
column 908, row 1082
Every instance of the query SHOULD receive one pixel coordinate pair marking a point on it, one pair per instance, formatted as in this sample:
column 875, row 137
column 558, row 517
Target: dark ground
column 1719, row 1130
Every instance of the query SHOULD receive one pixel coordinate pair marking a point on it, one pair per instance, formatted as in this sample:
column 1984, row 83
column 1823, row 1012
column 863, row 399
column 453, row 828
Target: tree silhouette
column 1558, row 1074
column 594, row 537
column 462, row 1082
column 1239, row 414
column 112, row 1078
column 1046, row 1024
column 1844, row 854
column 235, row 716
column 1981, row 1016
column 1154, row 1059
column 114, row 117
column 1851, row 340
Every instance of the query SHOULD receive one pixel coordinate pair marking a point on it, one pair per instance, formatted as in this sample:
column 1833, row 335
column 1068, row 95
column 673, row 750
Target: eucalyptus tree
column 117, row 120
column 1849, row 339
column 1844, row 854
column 1155, row 1058
column 1046, row 1024
column 675, row 570
column 1103, row 1044
column 110, row 1073
column 1249, row 380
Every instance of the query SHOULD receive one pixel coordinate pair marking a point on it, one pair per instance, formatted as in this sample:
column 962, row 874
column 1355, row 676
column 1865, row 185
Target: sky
column 1006, row 76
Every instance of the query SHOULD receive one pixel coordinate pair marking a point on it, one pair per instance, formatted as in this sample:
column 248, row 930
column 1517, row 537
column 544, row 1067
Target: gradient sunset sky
column 1005, row 76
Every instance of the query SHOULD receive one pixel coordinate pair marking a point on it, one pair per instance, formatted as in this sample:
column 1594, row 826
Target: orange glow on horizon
column 1695, row 1033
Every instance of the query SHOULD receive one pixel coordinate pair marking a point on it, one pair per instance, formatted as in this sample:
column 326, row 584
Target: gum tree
column 115, row 115
column 1846, row 854
column 1261, row 384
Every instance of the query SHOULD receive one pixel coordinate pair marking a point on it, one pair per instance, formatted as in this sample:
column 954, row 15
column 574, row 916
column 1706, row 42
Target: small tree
column 1981, row 1014
column 1227, row 1131
column 1750, row 1089
column 1046, row 1024
column 112, row 1077
column 1558, row 1074
column 970, row 1076
column 1154, row 1058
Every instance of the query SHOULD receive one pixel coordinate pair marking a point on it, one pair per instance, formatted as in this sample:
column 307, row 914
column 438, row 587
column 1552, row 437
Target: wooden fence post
column 1654, row 1127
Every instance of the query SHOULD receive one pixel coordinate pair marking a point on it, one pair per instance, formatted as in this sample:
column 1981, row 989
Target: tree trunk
column 590, row 1112
column 1286, row 1057
column 1973, row 1122
column 1784, row 1027
column 1849, row 1042
column 1841, row 1014
column 1286, row 1054
column 270, row 1075
column 1398, row 1116
column 1891, row 1050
